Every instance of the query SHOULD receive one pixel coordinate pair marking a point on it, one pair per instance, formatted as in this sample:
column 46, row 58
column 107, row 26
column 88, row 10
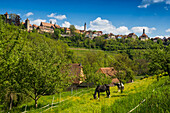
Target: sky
column 110, row 16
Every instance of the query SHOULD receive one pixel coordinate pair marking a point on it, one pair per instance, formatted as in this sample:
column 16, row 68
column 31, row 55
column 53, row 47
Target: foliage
column 159, row 60
column 30, row 65
column 57, row 33
column 72, row 29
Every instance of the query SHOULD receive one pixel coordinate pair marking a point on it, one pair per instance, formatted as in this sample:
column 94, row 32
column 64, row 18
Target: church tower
column 27, row 24
column 85, row 27
column 6, row 15
column 143, row 31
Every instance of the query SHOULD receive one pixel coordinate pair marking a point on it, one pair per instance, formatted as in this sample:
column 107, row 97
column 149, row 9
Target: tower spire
column 85, row 26
column 143, row 31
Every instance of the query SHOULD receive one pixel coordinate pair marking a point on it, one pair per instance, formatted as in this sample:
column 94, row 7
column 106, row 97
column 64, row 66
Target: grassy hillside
column 79, row 52
column 82, row 100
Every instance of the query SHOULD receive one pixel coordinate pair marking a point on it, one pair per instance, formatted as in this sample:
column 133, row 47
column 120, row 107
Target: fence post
column 52, row 103
column 60, row 96
column 25, row 108
column 71, row 90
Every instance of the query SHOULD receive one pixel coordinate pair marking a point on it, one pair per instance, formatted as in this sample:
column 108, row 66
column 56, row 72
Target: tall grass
column 83, row 102
column 156, row 95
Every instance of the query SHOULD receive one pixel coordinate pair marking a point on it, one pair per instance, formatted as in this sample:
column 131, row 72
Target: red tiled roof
column 35, row 25
column 156, row 38
column 46, row 24
column 67, row 29
column 144, row 35
column 109, row 71
column 132, row 34
column 77, row 31
column 57, row 26
column 115, row 80
column 6, row 13
column 82, row 31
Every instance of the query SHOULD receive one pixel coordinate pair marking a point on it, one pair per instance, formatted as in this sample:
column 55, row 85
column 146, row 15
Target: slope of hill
column 82, row 100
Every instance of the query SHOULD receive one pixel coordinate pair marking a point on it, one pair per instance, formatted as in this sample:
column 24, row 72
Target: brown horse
column 102, row 88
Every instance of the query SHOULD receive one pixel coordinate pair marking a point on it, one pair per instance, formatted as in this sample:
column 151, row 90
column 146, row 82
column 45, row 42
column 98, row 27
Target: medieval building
column 143, row 37
column 47, row 27
column 132, row 35
column 12, row 18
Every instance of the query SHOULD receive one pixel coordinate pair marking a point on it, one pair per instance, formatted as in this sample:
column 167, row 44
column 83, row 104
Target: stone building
column 132, row 35
column 143, row 37
column 76, row 71
column 67, row 30
column 12, row 18
column 92, row 34
column 47, row 27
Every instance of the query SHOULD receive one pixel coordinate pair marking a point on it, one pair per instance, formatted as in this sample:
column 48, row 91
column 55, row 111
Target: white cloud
column 167, row 1
column 79, row 27
column 51, row 15
column 123, row 30
column 53, row 21
column 161, row 36
column 59, row 17
column 157, row 1
column 107, row 27
column 101, row 24
column 140, row 29
column 168, row 30
column 66, row 24
column 37, row 22
column 143, row 6
column 29, row 14
column 146, row 3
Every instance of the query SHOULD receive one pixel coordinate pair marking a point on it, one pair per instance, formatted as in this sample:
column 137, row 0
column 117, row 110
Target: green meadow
column 81, row 100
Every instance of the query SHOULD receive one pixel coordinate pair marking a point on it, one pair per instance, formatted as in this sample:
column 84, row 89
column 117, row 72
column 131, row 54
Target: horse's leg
column 108, row 93
column 94, row 95
column 98, row 94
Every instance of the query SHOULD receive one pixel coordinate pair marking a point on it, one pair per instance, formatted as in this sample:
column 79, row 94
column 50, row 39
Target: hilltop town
column 50, row 27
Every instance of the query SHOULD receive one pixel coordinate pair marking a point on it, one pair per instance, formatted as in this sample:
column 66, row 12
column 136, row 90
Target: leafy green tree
column 11, row 44
column 159, row 61
column 57, row 33
column 72, row 29
column 40, row 68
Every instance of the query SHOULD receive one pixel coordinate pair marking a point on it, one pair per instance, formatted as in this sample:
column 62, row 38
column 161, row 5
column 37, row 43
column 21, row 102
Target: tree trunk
column 36, row 105
column 11, row 100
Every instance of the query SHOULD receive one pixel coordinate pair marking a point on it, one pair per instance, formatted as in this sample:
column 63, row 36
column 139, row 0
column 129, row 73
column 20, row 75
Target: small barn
column 109, row 71
column 76, row 71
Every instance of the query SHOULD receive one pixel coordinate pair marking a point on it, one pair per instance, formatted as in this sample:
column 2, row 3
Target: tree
column 72, row 29
column 123, row 67
column 40, row 68
column 11, row 44
column 159, row 60
column 57, row 33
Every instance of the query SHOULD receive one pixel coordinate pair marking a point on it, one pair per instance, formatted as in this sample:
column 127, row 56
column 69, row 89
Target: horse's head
column 94, row 95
